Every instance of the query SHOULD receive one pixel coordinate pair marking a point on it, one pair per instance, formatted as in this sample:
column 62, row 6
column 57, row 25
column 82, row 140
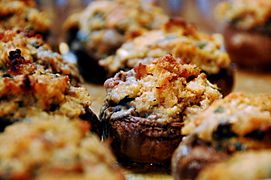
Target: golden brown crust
column 178, row 38
column 43, row 146
column 46, row 116
column 23, row 15
column 35, row 77
column 104, row 25
column 230, row 111
column 45, row 92
column 164, row 90
column 25, row 53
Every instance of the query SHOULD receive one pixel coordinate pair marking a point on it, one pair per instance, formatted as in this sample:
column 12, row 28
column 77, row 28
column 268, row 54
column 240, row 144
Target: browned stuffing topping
column 22, row 14
column 23, row 53
column 104, row 25
column 164, row 90
column 47, row 92
column 43, row 146
column 178, row 38
column 242, row 113
column 45, row 117
column 33, row 76
column 42, row 114
column 246, row 14
column 247, row 165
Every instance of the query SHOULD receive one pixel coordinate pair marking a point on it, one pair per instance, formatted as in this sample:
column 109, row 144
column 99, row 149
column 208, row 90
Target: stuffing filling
column 32, row 76
column 25, row 53
column 51, row 146
column 104, row 25
column 178, row 38
column 241, row 114
column 164, row 90
column 17, row 15
column 236, row 127
column 246, row 14
column 42, row 116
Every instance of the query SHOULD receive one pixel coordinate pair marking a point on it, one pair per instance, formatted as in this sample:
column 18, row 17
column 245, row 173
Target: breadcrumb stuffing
column 178, row 38
column 244, row 113
column 25, row 53
column 33, row 76
column 23, row 15
column 45, row 116
column 104, row 25
column 164, row 90
column 43, row 146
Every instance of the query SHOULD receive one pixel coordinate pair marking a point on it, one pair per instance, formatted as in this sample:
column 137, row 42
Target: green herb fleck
column 220, row 109
column 201, row 45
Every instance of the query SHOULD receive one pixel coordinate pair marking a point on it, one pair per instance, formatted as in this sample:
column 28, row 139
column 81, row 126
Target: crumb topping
column 33, row 76
column 178, row 38
column 105, row 25
column 246, row 14
column 48, row 92
column 44, row 145
column 243, row 113
column 18, row 14
column 24, row 53
column 45, row 116
column 164, row 90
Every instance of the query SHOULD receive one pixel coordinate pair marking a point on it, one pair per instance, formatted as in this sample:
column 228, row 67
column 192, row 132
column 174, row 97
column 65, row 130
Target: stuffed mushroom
column 104, row 26
column 238, row 123
column 247, row 32
column 146, row 107
column 182, row 40
column 33, row 77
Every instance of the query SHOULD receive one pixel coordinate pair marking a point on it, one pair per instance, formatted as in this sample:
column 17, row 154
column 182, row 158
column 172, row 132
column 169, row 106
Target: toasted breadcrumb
column 43, row 146
column 104, row 25
column 164, row 90
column 23, row 14
column 46, row 116
column 33, row 76
column 178, row 38
column 244, row 113
column 25, row 53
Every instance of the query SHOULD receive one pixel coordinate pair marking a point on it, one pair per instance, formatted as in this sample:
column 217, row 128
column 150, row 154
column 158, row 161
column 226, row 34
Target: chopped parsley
column 220, row 109
column 201, row 45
